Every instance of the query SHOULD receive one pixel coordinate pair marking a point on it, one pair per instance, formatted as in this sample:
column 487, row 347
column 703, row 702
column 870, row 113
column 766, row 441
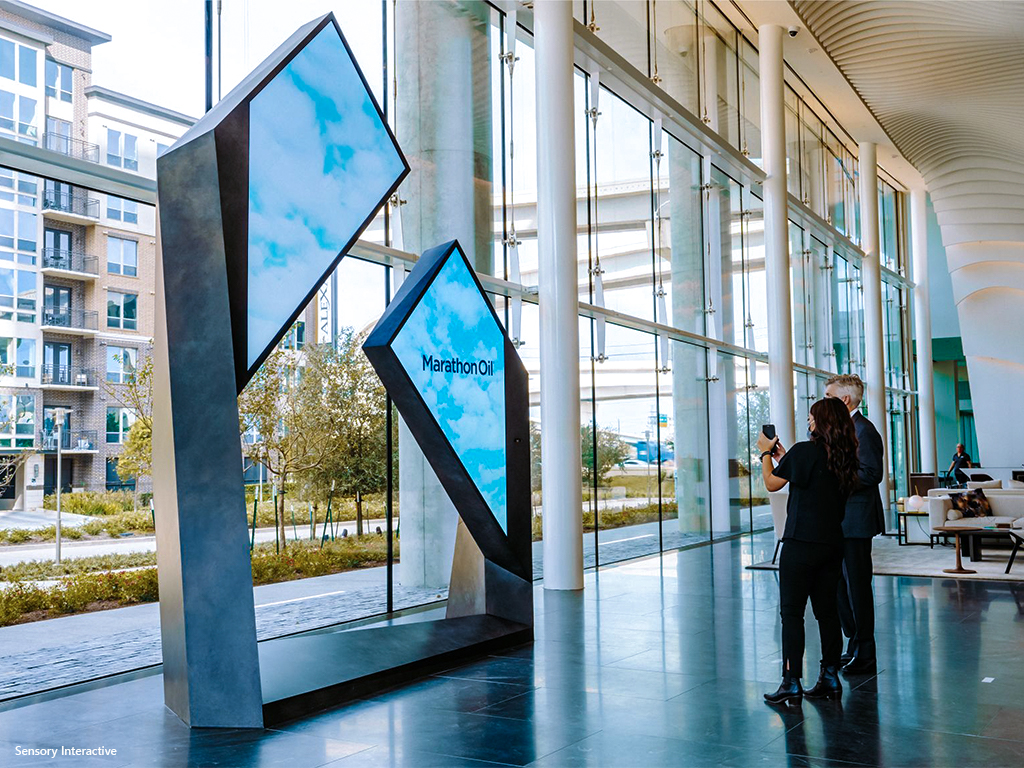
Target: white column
column 871, row 278
column 776, row 233
column 923, row 329
column 559, row 323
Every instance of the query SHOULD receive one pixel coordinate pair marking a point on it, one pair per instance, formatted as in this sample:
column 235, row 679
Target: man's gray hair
column 848, row 384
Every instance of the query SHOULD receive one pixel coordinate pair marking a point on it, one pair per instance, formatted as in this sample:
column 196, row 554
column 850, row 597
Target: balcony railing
column 83, row 150
column 81, row 319
column 70, row 261
column 68, row 376
column 70, row 440
column 69, row 202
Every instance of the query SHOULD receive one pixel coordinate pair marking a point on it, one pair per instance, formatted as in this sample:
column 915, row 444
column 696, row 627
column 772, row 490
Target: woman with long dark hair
column 820, row 472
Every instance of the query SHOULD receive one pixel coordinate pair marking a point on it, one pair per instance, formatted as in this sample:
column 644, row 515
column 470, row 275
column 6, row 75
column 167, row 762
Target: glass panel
column 130, row 315
column 27, row 65
column 627, row 450
column 729, row 445
column 725, row 257
column 7, row 59
column 719, row 80
column 26, row 358
column 686, row 468
column 679, row 240
column 758, row 413
column 750, row 102
column 621, row 234
column 675, row 51
column 755, row 277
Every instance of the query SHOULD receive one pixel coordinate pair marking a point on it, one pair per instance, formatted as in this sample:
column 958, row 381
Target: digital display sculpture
column 257, row 203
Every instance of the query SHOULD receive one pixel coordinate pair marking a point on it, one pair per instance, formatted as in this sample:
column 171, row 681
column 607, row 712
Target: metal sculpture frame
column 211, row 667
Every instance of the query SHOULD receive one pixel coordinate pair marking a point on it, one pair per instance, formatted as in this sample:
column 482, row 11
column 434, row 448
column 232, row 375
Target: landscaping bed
column 82, row 590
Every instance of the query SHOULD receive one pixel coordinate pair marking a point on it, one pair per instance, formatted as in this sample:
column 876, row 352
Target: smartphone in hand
column 769, row 431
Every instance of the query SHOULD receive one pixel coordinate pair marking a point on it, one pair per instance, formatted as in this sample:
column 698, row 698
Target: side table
column 903, row 529
column 957, row 530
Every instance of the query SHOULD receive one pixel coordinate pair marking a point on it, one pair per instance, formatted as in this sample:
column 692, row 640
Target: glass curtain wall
column 665, row 237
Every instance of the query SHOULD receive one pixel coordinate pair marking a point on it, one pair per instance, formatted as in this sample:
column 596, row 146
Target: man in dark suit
column 865, row 519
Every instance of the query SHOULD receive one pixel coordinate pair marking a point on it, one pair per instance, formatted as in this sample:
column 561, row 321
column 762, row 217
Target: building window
column 25, row 359
column 23, row 239
column 17, row 421
column 122, row 310
column 22, row 122
column 122, row 256
column 27, row 119
column 122, row 150
column 122, row 210
column 161, row 148
column 114, row 481
column 296, row 336
column 58, row 80
column 121, row 363
column 119, row 421
column 27, row 65
column 18, row 295
column 7, row 59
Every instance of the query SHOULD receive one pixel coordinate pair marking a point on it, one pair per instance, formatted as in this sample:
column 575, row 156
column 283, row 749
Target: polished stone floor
column 660, row 662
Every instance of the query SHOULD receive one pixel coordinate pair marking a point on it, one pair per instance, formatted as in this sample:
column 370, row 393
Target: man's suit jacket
column 865, row 514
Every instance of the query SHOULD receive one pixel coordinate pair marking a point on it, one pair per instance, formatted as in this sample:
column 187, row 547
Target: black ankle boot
column 828, row 685
column 790, row 690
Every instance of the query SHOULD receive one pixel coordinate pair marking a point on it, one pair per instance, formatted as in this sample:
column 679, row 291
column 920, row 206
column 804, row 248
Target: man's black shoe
column 859, row 666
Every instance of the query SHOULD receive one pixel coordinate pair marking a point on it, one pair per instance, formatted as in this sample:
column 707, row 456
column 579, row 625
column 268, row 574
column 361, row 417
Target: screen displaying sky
column 454, row 352
column 320, row 160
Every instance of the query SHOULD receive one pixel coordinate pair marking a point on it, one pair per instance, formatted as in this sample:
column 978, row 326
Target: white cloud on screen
column 319, row 162
column 452, row 321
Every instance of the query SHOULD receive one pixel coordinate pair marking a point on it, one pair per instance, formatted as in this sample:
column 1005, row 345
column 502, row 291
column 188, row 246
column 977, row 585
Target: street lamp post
column 58, row 418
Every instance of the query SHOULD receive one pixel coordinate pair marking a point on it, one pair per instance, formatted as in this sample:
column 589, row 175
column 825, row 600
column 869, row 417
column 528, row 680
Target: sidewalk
column 19, row 553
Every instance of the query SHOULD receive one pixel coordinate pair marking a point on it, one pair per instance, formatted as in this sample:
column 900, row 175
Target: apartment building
column 76, row 267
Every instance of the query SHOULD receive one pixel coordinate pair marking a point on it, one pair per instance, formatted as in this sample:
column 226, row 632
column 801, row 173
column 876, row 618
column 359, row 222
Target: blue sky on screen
column 319, row 162
column 452, row 322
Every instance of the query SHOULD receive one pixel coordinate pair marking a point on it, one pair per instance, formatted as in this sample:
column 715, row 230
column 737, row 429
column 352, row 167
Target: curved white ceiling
column 945, row 79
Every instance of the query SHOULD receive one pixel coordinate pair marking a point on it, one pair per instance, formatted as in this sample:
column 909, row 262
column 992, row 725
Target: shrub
column 82, row 590
column 93, row 503
column 18, row 535
column 20, row 599
column 47, row 569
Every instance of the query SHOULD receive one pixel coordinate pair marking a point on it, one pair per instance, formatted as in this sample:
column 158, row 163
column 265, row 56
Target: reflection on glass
column 683, row 394
column 628, row 453
column 621, row 234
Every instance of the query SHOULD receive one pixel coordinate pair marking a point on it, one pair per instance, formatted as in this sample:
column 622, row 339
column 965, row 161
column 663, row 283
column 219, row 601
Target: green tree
column 285, row 404
column 612, row 450
column 136, row 394
column 354, row 412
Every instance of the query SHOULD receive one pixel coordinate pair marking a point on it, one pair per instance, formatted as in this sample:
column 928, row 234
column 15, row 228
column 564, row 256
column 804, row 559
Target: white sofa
column 1007, row 508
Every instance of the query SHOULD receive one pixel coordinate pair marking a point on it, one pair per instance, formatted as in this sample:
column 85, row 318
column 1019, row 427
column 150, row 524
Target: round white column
column 776, row 233
column 923, row 329
column 558, row 294
column 871, row 279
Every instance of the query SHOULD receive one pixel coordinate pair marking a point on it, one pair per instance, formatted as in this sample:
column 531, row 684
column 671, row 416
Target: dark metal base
column 308, row 673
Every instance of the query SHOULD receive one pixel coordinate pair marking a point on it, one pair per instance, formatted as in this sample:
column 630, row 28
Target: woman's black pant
column 808, row 569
